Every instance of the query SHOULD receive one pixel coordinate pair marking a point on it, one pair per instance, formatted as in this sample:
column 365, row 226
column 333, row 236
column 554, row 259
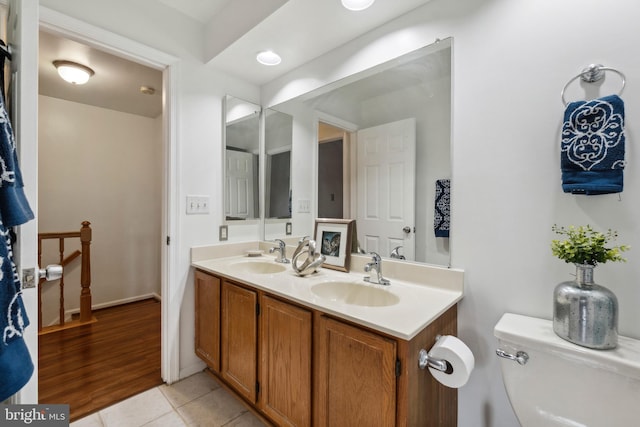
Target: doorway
column 333, row 172
column 24, row 23
column 101, row 160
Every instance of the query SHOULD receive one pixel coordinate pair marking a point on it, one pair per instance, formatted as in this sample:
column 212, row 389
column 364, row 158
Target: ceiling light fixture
column 268, row 57
column 357, row 5
column 73, row 72
column 147, row 90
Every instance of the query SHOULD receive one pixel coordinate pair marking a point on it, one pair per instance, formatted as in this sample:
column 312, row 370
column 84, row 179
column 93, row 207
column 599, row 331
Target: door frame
column 129, row 49
column 115, row 44
column 349, row 190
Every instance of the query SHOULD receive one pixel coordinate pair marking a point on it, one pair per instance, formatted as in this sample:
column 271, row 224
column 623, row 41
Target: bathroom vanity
column 302, row 353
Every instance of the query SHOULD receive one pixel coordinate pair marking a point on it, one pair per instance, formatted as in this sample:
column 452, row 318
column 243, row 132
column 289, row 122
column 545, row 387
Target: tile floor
column 194, row 401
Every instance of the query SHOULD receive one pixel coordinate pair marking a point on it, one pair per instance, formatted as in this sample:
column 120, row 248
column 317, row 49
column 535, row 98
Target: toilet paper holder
column 426, row 361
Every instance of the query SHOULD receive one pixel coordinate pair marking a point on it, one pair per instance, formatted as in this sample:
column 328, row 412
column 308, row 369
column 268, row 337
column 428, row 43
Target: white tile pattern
column 195, row 401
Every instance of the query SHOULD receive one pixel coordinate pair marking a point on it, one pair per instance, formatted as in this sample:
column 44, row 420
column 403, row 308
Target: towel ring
column 592, row 74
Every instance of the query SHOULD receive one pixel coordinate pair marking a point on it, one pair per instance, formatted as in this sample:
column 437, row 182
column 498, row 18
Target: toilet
column 552, row 382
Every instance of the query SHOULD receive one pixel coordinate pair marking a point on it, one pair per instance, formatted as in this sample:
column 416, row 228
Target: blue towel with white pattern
column 16, row 366
column 593, row 146
column 14, row 207
column 442, row 214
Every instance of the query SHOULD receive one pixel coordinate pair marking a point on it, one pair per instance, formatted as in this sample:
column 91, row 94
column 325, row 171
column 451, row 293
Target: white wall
column 105, row 167
column 511, row 60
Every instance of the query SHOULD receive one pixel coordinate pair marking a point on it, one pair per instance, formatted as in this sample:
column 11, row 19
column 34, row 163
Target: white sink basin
column 355, row 294
column 259, row 267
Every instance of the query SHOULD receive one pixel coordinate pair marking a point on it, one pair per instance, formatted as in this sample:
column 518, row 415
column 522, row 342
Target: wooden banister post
column 61, row 281
column 85, row 277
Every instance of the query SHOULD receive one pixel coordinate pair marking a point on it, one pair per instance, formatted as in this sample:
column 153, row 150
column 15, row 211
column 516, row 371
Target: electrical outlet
column 223, row 233
column 287, row 229
column 197, row 205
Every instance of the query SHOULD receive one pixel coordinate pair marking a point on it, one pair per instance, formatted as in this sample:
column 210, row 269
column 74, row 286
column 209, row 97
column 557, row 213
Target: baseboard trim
column 114, row 303
column 194, row 368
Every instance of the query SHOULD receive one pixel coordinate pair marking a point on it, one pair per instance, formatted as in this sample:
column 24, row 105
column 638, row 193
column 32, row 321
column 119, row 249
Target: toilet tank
column 563, row 384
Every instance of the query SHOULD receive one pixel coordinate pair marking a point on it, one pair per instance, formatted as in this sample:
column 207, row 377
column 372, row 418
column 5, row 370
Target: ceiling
column 115, row 84
column 200, row 10
column 299, row 30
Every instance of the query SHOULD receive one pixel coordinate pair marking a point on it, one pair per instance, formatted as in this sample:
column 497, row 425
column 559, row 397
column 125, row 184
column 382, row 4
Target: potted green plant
column 586, row 246
column 586, row 313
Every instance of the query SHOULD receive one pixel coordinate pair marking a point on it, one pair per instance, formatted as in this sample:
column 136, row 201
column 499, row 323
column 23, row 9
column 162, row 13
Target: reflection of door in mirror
column 278, row 141
column 331, row 177
column 242, row 146
column 384, row 187
column 279, row 184
column 241, row 177
column 385, row 168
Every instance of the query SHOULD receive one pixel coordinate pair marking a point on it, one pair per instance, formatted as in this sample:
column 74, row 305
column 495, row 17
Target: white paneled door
column 386, row 188
column 240, row 185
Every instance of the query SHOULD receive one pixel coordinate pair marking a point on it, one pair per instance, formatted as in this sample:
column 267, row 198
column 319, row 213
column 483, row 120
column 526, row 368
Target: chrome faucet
column 375, row 264
column 282, row 251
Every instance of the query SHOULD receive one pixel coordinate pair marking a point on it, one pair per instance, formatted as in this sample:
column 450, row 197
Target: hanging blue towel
column 14, row 207
column 592, row 149
column 16, row 366
column 442, row 214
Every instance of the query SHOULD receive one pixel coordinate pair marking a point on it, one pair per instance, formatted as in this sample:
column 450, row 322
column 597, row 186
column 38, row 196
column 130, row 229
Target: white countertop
column 419, row 303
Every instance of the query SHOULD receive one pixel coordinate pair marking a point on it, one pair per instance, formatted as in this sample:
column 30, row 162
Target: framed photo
column 334, row 237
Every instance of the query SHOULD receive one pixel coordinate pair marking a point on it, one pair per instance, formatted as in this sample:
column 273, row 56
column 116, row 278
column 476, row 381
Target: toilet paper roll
column 454, row 351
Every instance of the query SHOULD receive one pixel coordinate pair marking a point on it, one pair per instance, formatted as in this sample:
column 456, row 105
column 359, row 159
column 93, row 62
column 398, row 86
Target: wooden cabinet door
column 207, row 312
column 355, row 376
column 239, row 339
column 285, row 368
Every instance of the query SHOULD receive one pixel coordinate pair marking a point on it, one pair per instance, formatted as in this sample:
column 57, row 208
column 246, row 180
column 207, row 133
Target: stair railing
column 85, row 271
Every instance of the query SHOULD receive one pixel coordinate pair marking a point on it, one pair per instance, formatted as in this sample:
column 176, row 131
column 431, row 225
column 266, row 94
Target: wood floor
column 93, row 366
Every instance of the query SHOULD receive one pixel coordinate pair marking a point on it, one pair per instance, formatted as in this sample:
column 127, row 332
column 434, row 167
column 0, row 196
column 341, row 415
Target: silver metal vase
column 585, row 313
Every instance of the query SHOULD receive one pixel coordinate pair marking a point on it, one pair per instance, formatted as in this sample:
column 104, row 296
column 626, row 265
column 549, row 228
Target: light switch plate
column 304, row 206
column 287, row 229
column 197, row 205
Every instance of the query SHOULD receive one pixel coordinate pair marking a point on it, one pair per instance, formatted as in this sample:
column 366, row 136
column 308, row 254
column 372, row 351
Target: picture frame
column 334, row 239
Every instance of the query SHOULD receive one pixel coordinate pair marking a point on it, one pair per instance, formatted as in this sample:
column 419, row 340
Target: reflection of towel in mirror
column 592, row 149
column 442, row 208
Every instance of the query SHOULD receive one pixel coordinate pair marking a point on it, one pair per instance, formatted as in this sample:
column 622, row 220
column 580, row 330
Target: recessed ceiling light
column 268, row 57
column 73, row 72
column 357, row 4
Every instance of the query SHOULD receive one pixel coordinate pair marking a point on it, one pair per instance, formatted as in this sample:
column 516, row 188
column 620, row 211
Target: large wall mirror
column 378, row 146
column 242, row 159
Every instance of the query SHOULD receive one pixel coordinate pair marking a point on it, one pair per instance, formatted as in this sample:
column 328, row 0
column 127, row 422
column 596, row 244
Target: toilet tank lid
column 538, row 334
